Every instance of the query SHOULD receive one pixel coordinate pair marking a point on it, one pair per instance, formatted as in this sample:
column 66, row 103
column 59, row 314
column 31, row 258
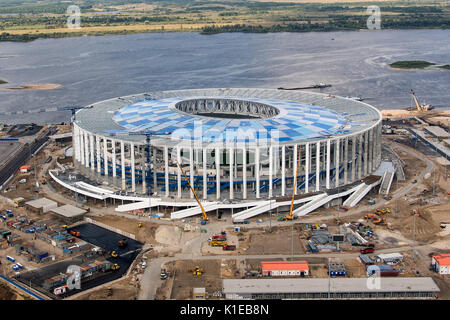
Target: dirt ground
column 282, row 240
column 145, row 234
column 180, row 285
column 121, row 290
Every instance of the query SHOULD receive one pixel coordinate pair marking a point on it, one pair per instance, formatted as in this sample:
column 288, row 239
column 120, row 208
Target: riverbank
column 190, row 16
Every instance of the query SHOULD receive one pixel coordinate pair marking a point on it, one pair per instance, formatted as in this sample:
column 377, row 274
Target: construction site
column 391, row 221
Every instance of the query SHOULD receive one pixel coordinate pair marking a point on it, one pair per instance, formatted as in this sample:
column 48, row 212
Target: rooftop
column 284, row 265
column 68, row 211
column 442, row 259
column 317, row 285
column 41, row 202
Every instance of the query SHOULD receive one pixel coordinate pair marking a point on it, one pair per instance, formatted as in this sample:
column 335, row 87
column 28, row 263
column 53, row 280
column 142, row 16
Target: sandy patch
column 37, row 86
column 169, row 235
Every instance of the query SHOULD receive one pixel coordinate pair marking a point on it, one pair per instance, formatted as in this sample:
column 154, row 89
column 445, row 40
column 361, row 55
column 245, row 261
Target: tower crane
column 148, row 134
column 204, row 215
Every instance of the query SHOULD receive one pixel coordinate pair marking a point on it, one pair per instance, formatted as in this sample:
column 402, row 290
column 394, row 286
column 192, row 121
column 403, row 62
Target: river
column 355, row 63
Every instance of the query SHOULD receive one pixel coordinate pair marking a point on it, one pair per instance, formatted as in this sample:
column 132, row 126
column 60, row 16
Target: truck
column 229, row 247
column 367, row 250
column 9, row 258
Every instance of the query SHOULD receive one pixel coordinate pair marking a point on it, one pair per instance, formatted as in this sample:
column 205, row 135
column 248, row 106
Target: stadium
column 240, row 150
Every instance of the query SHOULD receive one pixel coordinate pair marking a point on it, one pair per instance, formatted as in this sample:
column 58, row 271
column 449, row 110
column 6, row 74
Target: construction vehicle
column 370, row 216
column 197, row 271
column 229, row 247
column 203, row 231
column 204, row 215
column 367, row 250
column 379, row 221
column 290, row 216
column 114, row 254
column 217, row 243
column 420, row 107
column 139, row 225
column 122, row 243
column 115, row 267
column 75, row 233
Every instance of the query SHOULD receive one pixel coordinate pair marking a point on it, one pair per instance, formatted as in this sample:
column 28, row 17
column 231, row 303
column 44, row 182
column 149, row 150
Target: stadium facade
column 233, row 144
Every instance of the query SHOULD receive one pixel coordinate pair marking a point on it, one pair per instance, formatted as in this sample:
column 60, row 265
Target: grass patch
column 445, row 66
column 3, row 81
column 413, row 64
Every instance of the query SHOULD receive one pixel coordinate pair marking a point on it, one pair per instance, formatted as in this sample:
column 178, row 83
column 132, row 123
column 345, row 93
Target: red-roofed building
column 441, row 263
column 284, row 268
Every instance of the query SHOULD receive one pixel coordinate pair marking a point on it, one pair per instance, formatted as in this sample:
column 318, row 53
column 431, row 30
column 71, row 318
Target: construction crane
column 73, row 110
column 423, row 107
column 291, row 216
column 204, row 215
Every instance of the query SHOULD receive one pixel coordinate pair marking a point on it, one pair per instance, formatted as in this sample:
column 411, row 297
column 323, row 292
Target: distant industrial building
column 284, row 268
column 441, row 263
column 333, row 288
column 390, row 258
column 198, row 293
column 41, row 205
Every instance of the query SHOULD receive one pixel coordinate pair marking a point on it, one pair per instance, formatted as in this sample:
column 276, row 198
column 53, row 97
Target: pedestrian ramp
column 147, row 203
column 386, row 183
column 254, row 211
column 211, row 206
column 360, row 193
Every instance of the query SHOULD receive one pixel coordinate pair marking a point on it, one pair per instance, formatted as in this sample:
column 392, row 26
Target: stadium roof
column 280, row 116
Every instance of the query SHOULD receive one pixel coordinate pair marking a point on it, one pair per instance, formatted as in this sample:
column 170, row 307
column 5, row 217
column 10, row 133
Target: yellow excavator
column 423, row 107
column 291, row 217
column 204, row 215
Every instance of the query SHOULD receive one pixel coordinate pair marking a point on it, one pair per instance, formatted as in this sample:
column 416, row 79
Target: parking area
column 100, row 237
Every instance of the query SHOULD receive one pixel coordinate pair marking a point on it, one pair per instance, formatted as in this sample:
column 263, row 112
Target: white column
column 166, row 169
column 360, row 156
column 217, row 173
column 86, row 149
column 205, row 182
column 231, row 153
column 191, row 171
column 178, row 173
column 270, row 170
column 133, row 169
column 81, row 137
column 113, row 151
column 91, row 143
column 353, row 177
column 75, row 143
column 328, row 161
column 371, row 151
column 366, row 151
column 337, row 159
column 295, row 167
column 346, row 161
column 257, row 171
column 122, row 163
column 283, row 171
column 143, row 165
column 244, row 173
column 105, row 157
column 307, row 160
column 318, row 166
column 98, row 156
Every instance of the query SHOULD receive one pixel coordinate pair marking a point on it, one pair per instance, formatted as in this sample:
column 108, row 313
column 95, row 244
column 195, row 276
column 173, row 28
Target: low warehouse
column 284, row 268
column 69, row 214
column 334, row 288
column 41, row 205
column 441, row 263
